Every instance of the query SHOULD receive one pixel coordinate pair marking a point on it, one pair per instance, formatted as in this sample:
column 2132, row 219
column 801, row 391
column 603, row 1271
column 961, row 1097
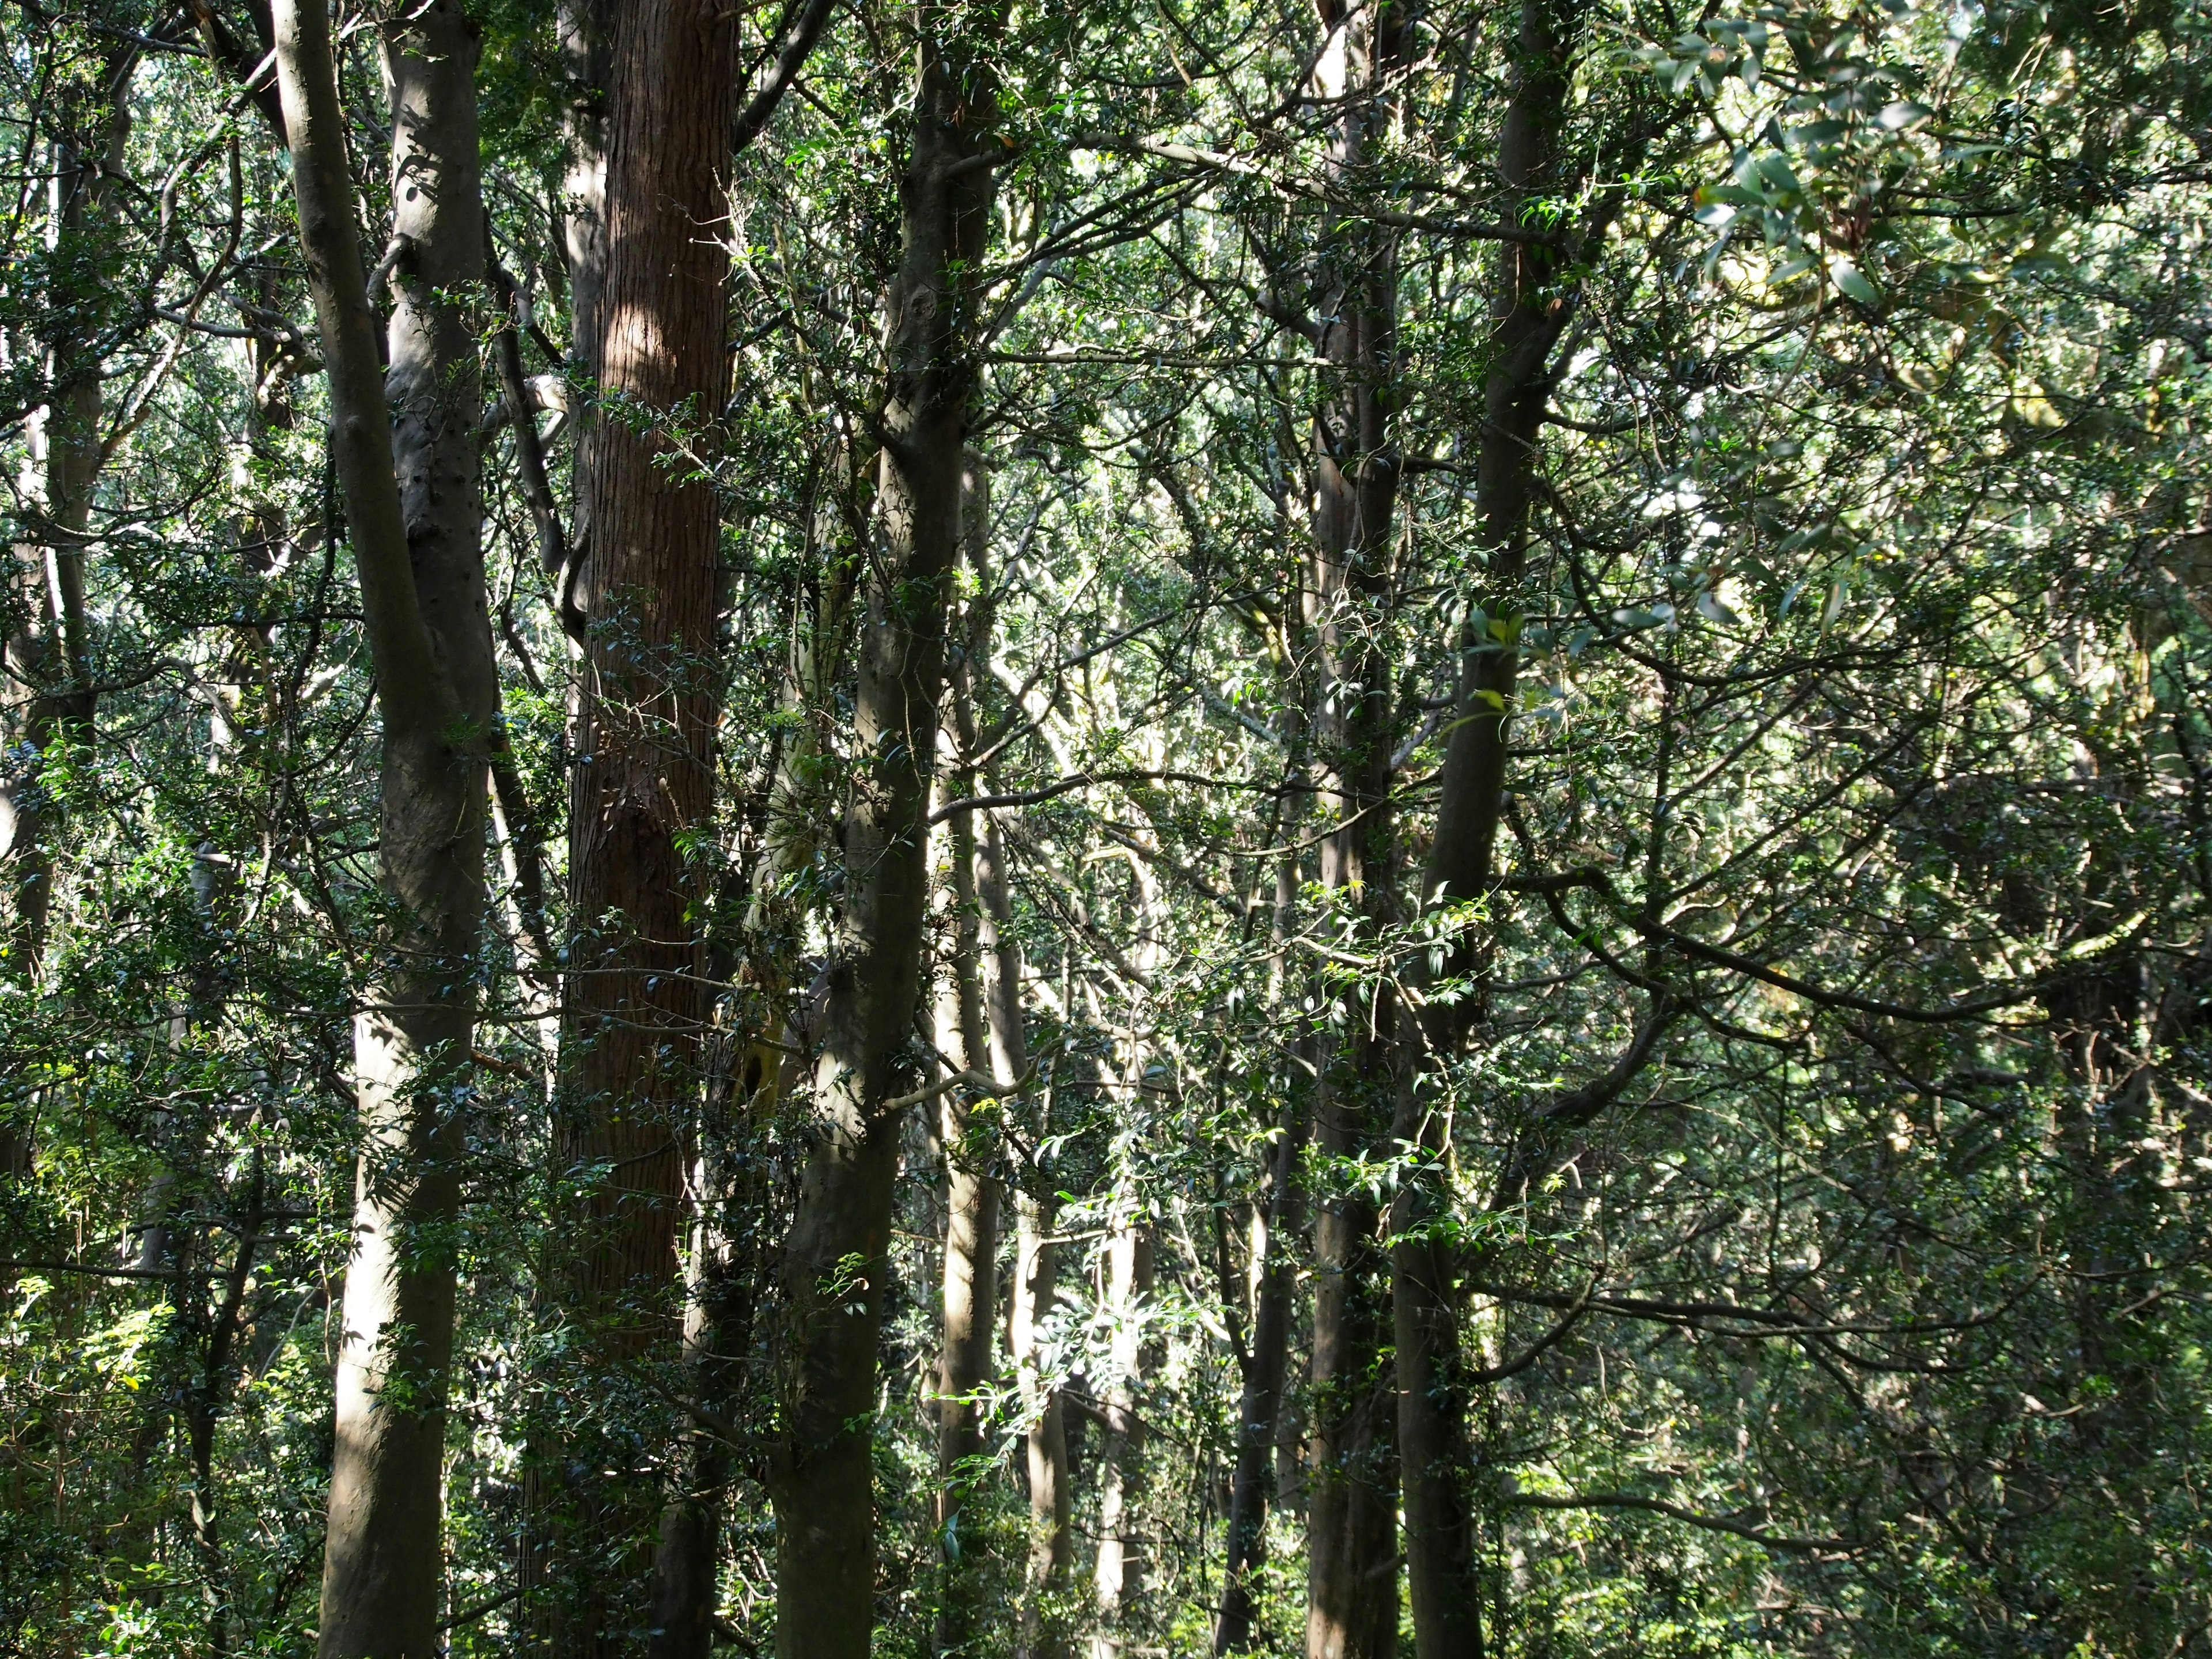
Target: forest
column 1105, row 829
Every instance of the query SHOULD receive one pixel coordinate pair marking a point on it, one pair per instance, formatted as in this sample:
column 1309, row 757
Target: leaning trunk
column 421, row 588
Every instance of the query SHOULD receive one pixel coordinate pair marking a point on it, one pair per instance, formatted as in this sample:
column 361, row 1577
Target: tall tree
column 1528, row 318
column 634, row 1007
column 409, row 489
column 837, row 1253
column 1352, row 1594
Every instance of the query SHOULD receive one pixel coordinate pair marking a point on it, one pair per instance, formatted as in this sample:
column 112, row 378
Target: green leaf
column 1848, row 277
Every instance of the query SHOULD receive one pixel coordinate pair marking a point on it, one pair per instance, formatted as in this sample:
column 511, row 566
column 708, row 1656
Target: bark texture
column 835, row 1260
column 635, row 1006
column 1042, row 1633
column 1351, row 1609
column 409, row 493
column 48, row 681
column 1443, row 1558
column 1118, row 1576
column 1275, row 1229
column 972, row 1195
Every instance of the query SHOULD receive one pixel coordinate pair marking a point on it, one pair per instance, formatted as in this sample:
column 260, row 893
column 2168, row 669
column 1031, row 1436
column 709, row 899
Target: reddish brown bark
column 634, row 1007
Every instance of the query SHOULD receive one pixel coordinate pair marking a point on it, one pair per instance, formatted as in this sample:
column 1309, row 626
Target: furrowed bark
column 1351, row 1609
column 634, row 1008
column 1444, row 1565
column 835, row 1256
column 410, row 493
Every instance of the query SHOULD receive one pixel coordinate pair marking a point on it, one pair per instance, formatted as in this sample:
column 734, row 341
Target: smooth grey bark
column 1041, row 1633
column 970, row 1142
column 586, row 30
column 836, row 1255
column 1118, row 1576
column 1118, row 1572
column 410, row 493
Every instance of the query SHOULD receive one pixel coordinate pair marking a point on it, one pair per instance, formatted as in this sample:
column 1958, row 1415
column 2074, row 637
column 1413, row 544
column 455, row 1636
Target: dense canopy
column 980, row 828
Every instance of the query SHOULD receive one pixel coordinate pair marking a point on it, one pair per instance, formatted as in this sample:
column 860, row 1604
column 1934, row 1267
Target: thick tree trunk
column 634, row 1008
column 1441, row 1555
column 836, row 1257
column 382, row 1567
column 1351, row 1609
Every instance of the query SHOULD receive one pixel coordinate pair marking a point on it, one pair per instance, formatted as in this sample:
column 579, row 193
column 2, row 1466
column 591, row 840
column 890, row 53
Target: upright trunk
column 721, row 1276
column 1042, row 1633
column 970, row 1289
column 1442, row 1557
column 1351, row 1610
column 634, row 1007
column 1275, row 1225
column 971, row 1224
column 836, row 1258
column 586, row 29
column 46, row 663
column 417, row 560
column 1119, row 1574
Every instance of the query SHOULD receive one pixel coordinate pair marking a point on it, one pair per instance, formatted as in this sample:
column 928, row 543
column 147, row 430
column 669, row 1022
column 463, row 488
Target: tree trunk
column 836, row 1256
column 1259, row 1407
column 382, row 1566
column 587, row 39
column 47, row 661
column 971, row 1224
column 1119, row 1574
column 1042, row 1633
column 635, row 1009
column 1351, row 1581
column 1443, row 1560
